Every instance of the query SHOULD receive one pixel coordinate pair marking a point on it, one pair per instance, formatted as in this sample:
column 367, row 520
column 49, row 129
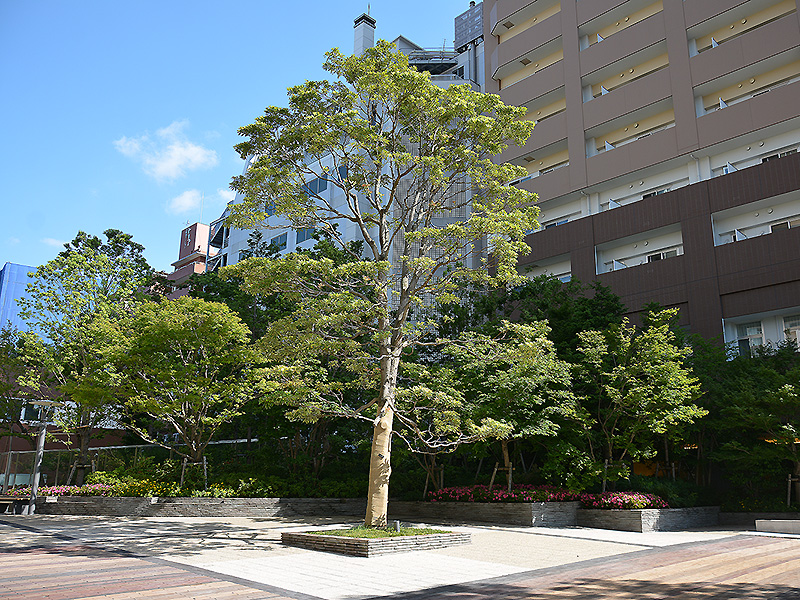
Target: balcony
column 604, row 10
column 515, row 11
column 546, row 133
column 697, row 12
column 622, row 103
column 549, row 185
column 655, row 148
column 776, row 109
column 747, row 49
column 549, row 82
column 759, row 262
column 533, row 44
column 629, row 41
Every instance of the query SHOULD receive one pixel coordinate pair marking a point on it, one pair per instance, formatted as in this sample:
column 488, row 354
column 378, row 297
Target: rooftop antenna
column 367, row 7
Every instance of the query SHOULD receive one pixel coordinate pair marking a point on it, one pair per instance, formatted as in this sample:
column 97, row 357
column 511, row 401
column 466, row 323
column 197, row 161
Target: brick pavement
column 82, row 572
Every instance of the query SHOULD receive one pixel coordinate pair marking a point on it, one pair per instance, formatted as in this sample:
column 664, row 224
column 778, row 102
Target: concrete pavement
column 246, row 556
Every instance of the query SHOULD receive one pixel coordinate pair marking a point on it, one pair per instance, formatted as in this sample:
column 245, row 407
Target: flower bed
column 622, row 500
column 140, row 488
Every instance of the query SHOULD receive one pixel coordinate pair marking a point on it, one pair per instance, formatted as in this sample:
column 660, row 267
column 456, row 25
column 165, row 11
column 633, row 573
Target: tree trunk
column 84, row 437
column 380, row 457
column 379, row 471
column 506, row 462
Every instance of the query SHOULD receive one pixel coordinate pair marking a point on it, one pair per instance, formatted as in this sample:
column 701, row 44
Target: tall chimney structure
column 364, row 34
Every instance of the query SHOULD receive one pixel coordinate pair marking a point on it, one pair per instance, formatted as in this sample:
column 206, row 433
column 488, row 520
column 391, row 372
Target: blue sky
column 121, row 114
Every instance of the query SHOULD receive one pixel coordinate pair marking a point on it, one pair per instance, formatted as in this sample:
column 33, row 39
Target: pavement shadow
column 157, row 537
column 597, row 589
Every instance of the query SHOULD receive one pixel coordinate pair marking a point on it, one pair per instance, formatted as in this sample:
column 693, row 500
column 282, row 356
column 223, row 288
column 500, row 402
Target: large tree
column 401, row 155
column 90, row 279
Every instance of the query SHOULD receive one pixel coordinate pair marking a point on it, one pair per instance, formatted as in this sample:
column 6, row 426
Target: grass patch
column 375, row 532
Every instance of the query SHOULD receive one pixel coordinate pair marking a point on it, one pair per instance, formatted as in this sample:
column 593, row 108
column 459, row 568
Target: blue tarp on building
column 13, row 279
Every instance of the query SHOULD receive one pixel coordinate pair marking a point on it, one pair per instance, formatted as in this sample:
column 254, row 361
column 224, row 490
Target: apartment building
column 664, row 153
column 192, row 256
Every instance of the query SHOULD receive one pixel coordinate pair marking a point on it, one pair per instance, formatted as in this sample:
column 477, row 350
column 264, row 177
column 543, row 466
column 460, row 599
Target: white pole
column 37, row 469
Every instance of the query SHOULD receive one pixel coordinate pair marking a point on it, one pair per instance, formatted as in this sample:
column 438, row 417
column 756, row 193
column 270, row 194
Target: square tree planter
column 649, row 519
column 367, row 547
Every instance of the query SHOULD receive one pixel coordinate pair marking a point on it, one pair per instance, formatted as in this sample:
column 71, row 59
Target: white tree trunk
column 380, row 458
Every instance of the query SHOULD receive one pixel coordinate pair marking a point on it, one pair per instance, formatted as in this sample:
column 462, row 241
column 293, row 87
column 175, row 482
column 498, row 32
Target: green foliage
column 515, row 378
column 754, row 426
column 678, row 493
column 568, row 307
column 90, row 282
column 125, row 485
column 400, row 153
column 637, row 387
column 187, row 364
column 12, row 369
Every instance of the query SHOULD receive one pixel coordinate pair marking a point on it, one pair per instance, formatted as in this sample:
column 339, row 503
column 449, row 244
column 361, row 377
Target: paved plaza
column 126, row 558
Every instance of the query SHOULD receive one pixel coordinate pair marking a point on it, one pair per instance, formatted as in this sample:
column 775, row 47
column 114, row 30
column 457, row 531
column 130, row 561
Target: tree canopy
column 186, row 363
column 384, row 152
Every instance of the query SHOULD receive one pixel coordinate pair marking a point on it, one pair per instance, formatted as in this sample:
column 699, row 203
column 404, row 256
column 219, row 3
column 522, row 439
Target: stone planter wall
column 649, row 519
column 526, row 514
column 200, row 507
column 748, row 519
column 367, row 547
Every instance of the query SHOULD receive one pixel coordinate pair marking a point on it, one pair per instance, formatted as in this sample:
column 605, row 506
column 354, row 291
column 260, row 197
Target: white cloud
column 187, row 201
column 226, row 195
column 169, row 154
column 52, row 242
column 13, row 241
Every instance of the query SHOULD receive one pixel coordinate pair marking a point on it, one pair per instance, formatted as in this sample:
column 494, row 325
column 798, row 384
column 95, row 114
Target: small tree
column 90, row 280
column 400, row 153
column 639, row 387
column 187, row 364
column 516, row 379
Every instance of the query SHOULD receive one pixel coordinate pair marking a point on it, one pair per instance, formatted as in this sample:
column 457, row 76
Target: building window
column 269, row 208
column 790, row 224
column 749, row 335
column 655, row 193
column 315, row 186
column 662, row 255
column 556, row 223
column 279, row 241
column 778, row 155
column 791, row 328
column 305, row 234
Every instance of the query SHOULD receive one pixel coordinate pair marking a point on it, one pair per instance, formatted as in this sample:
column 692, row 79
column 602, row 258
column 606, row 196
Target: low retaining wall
column 200, row 507
column 649, row 519
column 778, row 525
column 748, row 519
column 367, row 547
column 526, row 514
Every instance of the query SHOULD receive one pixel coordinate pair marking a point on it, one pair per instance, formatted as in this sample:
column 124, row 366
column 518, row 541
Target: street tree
column 395, row 155
column 186, row 363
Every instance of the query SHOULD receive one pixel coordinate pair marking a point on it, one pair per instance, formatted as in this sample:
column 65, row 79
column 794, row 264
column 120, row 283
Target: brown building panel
column 709, row 283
